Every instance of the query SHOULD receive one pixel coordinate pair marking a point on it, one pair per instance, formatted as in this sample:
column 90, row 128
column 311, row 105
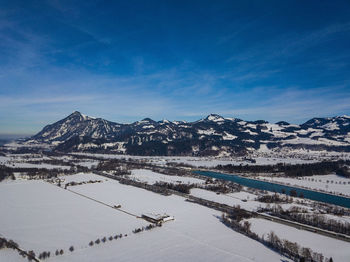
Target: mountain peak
column 80, row 116
column 147, row 120
column 76, row 113
column 214, row 117
column 282, row 123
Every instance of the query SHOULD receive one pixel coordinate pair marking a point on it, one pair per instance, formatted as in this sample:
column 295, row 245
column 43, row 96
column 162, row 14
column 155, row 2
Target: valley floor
column 73, row 210
column 56, row 218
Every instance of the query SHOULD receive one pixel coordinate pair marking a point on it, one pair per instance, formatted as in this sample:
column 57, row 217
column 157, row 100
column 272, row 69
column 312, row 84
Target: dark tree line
column 149, row 227
column 275, row 198
column 343, row 171
column 221, row 186
column 73, row 183
column 154, row 188
column 182, row 188
column 4, row 243
column 5, row 172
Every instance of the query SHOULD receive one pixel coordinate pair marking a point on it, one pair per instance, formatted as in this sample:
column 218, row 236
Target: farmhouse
column 157, row 218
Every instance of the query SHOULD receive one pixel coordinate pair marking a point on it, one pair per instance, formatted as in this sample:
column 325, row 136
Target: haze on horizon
column 177, row 60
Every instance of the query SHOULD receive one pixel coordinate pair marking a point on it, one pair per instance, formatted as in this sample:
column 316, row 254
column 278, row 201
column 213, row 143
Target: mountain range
column 213, row 135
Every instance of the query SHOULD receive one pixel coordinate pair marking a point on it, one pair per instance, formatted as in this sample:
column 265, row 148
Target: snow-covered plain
column 231, row 199
column 87, row 164
column 81, row 177
column 21, row 161
column 329, row 247
column 336, row 184
column 43, row 217
column 56, row 218
column 206, row 161
column 196, row 234
column 234, row 199
column 150, row 177
column 30, row 165
column 10, row 255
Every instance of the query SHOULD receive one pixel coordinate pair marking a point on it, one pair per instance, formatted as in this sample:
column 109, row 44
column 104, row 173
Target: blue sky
column 176, row 60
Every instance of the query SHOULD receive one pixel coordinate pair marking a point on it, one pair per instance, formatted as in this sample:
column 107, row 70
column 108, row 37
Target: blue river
column 273, row 187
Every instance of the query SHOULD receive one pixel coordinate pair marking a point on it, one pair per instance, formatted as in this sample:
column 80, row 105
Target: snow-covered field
column 262, row 157
column 329, row 183
column 231, row 199
column 4, row 159
column 150, row 177
column 196, row 234
column 82, row 177
column 329, row 247
column 87, row 164
column 30, row 165
column 43, row 217
column 21, row 161
column 205, row 161
column 234, row 199
column 10, row 255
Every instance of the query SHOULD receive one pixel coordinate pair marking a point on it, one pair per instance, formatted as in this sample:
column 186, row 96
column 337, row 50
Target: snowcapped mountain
column 213, row 135
column 78, row 124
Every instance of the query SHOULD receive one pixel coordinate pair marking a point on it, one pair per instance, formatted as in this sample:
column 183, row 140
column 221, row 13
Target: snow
column 43, row 217
column 10, row 255
column 263, row 148
column 210, row 131
column 317, row 133
column 149, row 126
column 85, row 117
column 277, row 131
column 251, row 125
column 57, row 218
column 4, row 159
column 230, row 118
column 87, row 164
column 81, row 177
column 250, row 132
column 228, row 136
column 316, row 182
column 151, row 177
column 215, row 118
column 231, row 199
column 309, row 141
column 213, row 161
column 30, row 165
column 329, row 247
column 87, row 145
column 196, row 234
column 331, row 126
column 234, row 199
